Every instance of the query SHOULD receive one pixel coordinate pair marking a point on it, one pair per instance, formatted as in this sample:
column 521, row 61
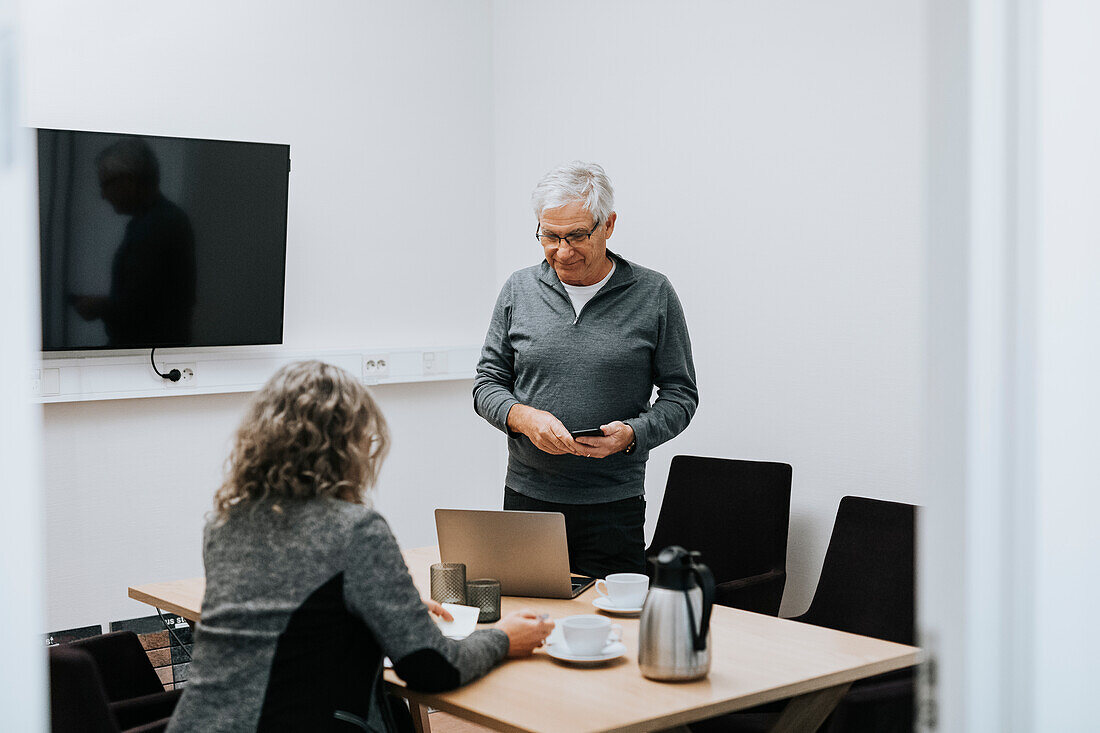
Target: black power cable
column 172, row 376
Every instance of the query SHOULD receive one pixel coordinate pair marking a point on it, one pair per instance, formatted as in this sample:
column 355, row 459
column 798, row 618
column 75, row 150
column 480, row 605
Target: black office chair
column 78, row 701
column 736, row 514
column 106, row 684
column 867, row 587
column 867, row 580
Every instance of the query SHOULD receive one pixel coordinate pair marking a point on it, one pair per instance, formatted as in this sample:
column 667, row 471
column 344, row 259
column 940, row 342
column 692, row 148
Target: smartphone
column 587, row 433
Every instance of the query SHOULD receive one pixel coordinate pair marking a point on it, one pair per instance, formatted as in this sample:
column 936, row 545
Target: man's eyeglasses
column 546, row 239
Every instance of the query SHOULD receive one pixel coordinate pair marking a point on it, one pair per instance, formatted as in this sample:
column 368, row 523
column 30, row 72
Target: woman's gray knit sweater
column 301, row 606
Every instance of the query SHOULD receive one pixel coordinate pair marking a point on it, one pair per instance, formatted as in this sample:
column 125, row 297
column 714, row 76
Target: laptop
column 525, row 551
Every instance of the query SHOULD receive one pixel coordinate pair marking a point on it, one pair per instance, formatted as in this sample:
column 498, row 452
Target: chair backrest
column 78, row 702
column 867, row 579
column 735, row 513
column 123, row 664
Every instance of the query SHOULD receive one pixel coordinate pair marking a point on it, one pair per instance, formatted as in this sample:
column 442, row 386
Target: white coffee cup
column 586, row 635
column 624, row 590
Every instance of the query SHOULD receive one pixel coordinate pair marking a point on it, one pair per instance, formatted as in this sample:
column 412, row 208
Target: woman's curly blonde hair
column 312, row 431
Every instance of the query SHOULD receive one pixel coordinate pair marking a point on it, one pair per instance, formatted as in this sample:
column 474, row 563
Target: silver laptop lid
column 526, row 551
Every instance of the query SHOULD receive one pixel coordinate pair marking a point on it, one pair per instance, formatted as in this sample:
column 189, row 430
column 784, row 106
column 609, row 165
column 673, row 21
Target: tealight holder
column 449, row 582
column 485, row 594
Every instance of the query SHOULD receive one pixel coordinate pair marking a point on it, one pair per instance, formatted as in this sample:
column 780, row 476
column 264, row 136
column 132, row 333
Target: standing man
column 577, row 342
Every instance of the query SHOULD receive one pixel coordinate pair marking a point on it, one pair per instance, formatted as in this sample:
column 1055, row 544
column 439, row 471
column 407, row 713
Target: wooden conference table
column 756, row 659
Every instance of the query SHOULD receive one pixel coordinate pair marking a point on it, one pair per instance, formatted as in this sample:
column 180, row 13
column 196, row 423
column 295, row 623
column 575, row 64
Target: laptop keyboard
column 579, row 582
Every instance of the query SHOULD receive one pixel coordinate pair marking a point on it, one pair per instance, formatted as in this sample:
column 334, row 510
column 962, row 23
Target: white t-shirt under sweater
column 581, row 294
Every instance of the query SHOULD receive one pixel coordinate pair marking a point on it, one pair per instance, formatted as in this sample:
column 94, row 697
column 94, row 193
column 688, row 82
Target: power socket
column 375, row 368
column 187, row 375
column 435, row 362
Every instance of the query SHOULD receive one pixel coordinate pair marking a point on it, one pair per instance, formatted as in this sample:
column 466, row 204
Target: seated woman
column 306, row 589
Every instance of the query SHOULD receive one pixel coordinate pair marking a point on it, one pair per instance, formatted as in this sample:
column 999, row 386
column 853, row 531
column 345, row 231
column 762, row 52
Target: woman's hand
column 526, row 631
column 436, row 609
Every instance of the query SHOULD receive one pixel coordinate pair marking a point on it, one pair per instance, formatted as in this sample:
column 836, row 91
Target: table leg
column 420, row 717
column 806, row 713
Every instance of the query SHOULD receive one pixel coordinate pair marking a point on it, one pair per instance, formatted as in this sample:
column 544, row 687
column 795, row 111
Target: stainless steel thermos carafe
column 674, row 638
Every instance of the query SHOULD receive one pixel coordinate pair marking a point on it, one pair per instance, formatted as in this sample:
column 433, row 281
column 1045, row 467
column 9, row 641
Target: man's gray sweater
column 587, row 369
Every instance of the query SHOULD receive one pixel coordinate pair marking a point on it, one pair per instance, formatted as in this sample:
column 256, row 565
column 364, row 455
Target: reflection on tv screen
column 156, row 241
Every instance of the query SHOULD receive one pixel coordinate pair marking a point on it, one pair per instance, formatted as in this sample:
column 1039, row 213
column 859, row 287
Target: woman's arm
column 379, row 590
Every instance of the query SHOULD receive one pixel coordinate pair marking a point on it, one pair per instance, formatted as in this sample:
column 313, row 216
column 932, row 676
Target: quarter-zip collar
column 623, row 276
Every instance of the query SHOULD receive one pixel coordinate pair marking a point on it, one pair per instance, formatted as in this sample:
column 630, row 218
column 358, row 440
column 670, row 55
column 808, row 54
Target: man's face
column 583, row 263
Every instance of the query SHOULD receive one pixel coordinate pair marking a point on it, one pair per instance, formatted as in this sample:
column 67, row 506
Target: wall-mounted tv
column 151, row 241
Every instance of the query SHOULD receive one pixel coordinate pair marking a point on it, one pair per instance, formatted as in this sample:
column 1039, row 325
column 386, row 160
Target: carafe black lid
column 672, row 568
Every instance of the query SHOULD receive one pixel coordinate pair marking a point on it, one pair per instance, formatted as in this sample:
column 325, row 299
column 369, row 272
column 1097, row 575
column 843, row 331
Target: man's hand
column 617, row 436
column 545, row 431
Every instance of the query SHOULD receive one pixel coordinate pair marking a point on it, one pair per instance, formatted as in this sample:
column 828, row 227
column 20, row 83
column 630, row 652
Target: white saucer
column 560, row 651
column 556, row 648
column 604, row 604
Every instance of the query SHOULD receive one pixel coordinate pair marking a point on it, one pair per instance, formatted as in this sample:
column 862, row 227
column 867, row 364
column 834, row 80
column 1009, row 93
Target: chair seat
column 137, row 711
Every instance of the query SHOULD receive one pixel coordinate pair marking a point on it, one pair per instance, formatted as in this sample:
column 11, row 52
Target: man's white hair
column 576, row 181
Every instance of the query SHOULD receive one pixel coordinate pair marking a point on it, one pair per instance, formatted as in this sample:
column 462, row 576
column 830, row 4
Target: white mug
column 624, row 590
column 586, row 635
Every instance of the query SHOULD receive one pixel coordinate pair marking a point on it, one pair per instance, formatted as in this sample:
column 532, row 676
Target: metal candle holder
column 485, row 594
column 449, row 582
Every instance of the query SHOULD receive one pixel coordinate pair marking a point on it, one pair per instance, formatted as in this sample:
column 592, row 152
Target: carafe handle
column 705, row 579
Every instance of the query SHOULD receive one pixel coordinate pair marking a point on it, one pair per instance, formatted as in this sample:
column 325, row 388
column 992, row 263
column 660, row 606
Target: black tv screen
column 153, row 241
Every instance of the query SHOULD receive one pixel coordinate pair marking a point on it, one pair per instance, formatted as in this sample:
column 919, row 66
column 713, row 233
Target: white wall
column 23, row 668
column 1009, row 545
column 1066, row 643
column 386, row 106
column 769, row 158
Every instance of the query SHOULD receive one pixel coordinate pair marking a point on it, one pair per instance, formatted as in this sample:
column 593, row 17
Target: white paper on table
column 464, row 624
column 465, row 621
